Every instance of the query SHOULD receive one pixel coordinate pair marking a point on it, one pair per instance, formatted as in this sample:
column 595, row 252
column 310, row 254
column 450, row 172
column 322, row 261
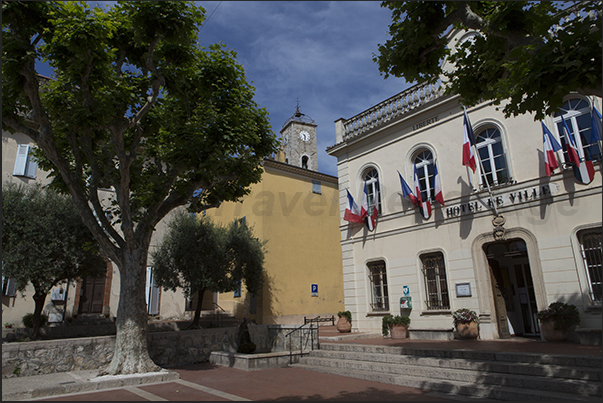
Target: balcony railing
column 391, row 108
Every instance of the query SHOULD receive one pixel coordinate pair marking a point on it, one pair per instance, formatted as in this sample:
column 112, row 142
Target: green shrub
column 563, row 315
column 28, row 320
column 346, row 314
column 389, row 320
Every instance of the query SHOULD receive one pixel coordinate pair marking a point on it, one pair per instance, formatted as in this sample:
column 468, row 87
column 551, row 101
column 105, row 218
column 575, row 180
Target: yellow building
column 296, row 210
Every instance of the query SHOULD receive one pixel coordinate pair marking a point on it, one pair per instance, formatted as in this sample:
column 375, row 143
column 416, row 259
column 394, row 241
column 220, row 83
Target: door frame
column 487, row 308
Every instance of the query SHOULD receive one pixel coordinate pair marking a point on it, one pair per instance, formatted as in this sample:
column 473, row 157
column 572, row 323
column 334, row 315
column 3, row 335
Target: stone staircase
column 465, row 373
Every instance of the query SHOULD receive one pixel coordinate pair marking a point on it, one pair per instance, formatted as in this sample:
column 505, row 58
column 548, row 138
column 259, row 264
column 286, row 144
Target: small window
column 24, row 163
column 305, row 162
column 378, row 280
column 436, row 286
column 237, row 291
column 590, row 245
column 371, row 178
column 316, row 187
column 493, row 158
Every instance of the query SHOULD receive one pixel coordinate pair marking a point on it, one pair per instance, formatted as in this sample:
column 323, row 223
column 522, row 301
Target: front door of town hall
column 512, row 288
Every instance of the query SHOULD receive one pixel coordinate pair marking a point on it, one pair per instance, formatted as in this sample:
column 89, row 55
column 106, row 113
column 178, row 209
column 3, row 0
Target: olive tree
column 138, row 108
column 531, row 53
column 197, row 255
column 44, row 242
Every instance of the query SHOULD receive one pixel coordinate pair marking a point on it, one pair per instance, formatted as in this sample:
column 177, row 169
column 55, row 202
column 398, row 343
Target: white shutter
column 152, row 293
column 32, row 166
column 21, row 160
column 9, row 287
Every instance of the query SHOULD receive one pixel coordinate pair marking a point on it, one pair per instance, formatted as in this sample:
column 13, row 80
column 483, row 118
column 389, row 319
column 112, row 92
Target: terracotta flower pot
column 467, row 331
column 343, row 325
column 398, row 331
column 549, row 333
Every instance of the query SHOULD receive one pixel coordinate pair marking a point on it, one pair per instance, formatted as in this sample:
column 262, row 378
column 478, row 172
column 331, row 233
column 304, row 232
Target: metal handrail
column 219, row 314
column 301, row 344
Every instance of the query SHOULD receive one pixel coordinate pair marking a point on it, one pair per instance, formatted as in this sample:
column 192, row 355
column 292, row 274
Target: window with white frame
column 590, row 246
column 371, row 178
column 9, row 287
column 424, row 163
column 491, row 152
column 378, row 281
column 436, row 285
column 577, row 114
column 24, row 162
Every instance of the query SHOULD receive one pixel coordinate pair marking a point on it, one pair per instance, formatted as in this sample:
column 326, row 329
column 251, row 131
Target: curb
column 77, row 382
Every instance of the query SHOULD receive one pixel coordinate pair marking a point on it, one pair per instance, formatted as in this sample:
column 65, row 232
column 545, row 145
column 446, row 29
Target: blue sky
column 317, row 52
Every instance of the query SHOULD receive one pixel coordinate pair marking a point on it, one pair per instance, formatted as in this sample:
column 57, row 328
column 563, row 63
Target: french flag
column 407, row 192
column 437, row 185
column 352, row 211
column 468, row 143
column 424, row 206
column 585, row 172
column 550, row 146
column 370, row 219
column 570, row 145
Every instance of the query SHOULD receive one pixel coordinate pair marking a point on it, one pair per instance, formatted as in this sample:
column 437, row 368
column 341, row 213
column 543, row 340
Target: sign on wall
column 314, row 290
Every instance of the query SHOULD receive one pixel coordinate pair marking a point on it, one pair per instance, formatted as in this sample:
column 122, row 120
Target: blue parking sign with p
column 314, row 290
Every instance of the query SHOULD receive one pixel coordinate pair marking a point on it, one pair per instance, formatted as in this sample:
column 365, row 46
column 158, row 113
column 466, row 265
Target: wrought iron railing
column 313, row 330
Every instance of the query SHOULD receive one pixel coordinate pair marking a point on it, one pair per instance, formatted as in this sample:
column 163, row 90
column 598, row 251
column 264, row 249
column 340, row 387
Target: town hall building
column 507, row 240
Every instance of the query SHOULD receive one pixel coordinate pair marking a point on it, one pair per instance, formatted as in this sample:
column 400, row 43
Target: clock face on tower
column 304, row 135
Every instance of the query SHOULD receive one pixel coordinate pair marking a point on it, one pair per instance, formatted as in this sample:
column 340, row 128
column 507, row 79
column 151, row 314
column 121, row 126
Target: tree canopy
column 197, row 255
column 138, row 109
column 529, row 53
column 44, row 242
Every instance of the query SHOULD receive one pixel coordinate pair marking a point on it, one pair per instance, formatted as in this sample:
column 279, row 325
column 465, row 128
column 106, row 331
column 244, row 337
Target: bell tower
column 298, row 141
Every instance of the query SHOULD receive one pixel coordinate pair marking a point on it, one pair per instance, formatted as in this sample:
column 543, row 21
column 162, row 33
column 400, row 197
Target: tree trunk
column 131, row 354
column 39, row 299
column 195, row 324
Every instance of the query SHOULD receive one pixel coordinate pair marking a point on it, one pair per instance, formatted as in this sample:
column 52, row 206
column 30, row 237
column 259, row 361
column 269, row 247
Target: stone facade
column 165, row 348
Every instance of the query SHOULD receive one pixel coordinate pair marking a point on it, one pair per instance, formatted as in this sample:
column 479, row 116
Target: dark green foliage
column 530, row 53
column 562, row 314
column 28, row 320
column 197, row 256
column 389, row 320
column 346, row 314
column 44, row 241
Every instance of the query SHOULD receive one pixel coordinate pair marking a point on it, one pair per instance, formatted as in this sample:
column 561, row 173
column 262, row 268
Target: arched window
column 305, row 162
column 371, row 178
column 491, row 152
column 577, row 114
column 424, row 163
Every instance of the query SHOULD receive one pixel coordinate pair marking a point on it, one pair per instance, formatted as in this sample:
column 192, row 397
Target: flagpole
column 592, row 107
column 482, row 171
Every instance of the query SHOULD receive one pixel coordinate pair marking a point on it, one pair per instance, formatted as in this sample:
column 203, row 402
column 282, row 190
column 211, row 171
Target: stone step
column 516, row 368
column 565, row 360
column 451, row 387
column 480, row 376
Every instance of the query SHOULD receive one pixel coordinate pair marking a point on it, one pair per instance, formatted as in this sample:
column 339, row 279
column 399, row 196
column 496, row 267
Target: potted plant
column 344, row 325
column 466, row 323
column 8, row 325
column 396, row 325
column 557, row 319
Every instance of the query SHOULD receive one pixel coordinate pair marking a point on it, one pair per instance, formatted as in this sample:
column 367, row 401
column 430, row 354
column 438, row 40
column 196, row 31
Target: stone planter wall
column 165, row 348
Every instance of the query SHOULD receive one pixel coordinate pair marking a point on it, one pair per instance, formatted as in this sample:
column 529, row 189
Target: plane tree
column 138, row 109
column 529, row 53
